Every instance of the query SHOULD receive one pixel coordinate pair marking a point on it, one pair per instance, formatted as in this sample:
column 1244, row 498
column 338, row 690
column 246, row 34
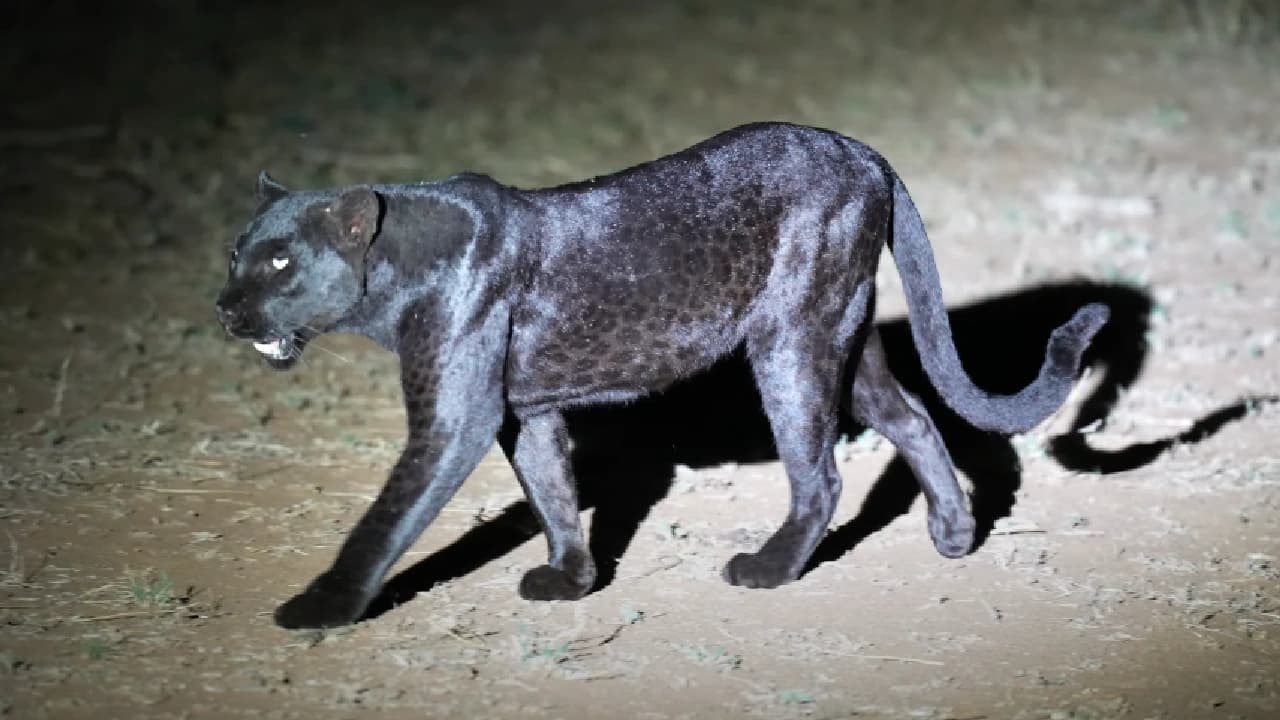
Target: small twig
column 60, row 389
column 95, row 591
column 208, row 463
column 470, row 640
column 673, row 562
column 884, row 658
column 605, row 639
column 15, row 559
column 728, row 634
column 357, row 496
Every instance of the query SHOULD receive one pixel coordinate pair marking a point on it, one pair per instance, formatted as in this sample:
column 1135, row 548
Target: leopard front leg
column 417, row 489
column 453, row 399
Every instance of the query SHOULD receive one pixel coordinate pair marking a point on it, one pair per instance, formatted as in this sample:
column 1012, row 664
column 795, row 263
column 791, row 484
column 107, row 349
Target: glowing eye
column 280, row 263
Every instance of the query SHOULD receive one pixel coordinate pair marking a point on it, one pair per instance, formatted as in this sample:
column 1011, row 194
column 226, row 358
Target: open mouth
column 276, row 349
column 282, row 352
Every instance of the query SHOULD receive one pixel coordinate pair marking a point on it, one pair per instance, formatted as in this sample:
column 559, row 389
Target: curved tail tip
column 1069, row 340
column 1090, row 318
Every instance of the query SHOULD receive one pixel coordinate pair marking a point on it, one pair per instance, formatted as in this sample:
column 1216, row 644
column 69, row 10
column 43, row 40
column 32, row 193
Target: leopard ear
column 268, row 188
column 355, row 212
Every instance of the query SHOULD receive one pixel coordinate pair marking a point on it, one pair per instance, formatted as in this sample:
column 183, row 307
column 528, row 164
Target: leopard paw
column 952, row 532
column 321, row 606
column 755, row 570
column 548, row 583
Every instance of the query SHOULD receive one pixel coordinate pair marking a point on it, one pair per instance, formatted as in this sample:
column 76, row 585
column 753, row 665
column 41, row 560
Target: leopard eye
column 280, row 263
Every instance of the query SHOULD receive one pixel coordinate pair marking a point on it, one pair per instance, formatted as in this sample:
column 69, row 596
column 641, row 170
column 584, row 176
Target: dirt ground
column 161, row 491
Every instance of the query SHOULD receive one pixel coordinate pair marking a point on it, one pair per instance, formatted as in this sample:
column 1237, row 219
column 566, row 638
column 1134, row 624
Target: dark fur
column 516, row 304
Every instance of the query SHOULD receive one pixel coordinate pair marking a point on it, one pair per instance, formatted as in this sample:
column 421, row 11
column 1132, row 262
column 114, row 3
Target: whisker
column 335, row 354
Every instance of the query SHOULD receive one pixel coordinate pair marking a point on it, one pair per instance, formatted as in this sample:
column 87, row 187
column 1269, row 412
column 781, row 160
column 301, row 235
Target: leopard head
column 298, row 267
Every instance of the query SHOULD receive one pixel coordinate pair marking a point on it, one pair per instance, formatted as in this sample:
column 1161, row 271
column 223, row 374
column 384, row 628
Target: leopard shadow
column 624, row 456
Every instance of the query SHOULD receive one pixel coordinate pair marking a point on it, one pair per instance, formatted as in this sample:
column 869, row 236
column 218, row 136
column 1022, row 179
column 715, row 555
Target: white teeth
column 274, row 349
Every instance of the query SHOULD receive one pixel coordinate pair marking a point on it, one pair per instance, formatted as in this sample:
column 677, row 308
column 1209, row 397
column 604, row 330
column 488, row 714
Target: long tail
column 932, row 334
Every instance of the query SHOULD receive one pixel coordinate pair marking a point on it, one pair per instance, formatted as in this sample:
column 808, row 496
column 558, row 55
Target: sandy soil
column 161, row 491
